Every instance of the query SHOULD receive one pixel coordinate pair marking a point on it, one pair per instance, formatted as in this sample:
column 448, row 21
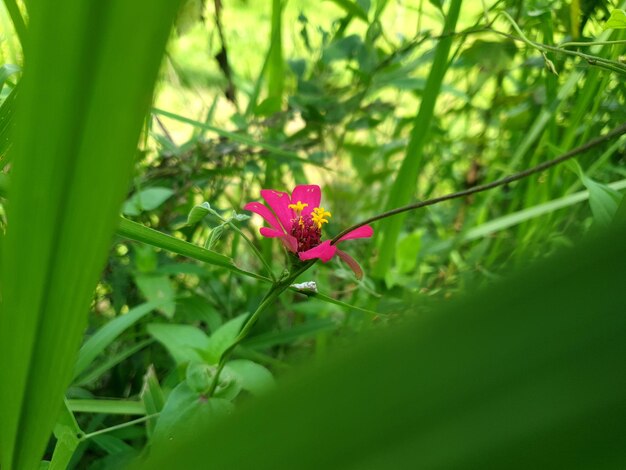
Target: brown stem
column 483, row 187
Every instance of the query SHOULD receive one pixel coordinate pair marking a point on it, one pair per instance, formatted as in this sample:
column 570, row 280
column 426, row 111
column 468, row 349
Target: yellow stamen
column 298, row 206
column 319, row 215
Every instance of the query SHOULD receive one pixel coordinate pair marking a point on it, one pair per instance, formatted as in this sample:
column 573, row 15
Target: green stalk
column 403, row 187
column 274, row 292
column 276, row 65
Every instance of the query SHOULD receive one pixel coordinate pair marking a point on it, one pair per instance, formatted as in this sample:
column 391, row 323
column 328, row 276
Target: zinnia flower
column 297, row 221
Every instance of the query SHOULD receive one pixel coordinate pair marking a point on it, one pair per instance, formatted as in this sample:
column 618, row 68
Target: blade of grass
column 510, row 220
column 97, row 343
column 134, row 231
column 90, row 375
column 276, row 64
column 403, row 187
column 110, row 407
column 76, row 133
column 68, row 435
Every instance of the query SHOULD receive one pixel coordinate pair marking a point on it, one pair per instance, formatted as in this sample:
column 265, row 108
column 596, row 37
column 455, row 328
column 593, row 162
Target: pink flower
column 297, row 221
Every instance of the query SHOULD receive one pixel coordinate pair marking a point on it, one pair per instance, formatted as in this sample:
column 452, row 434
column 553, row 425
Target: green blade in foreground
column 528, row 373
column 87, row 85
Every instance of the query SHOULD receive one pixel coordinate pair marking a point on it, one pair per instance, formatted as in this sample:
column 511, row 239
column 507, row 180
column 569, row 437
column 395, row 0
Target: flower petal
column 271, row 232
column 310, row 194
column 350, row 261
column 279, row 203
column 362, row 232
column 264, row 212
column 289, row 241
column 324, row 251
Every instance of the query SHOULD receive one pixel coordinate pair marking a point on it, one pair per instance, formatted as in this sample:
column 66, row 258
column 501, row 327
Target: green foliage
column 199, row 326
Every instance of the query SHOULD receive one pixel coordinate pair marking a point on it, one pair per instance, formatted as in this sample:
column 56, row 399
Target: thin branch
column 620, row 130
column 118, row 426
column 591, row 59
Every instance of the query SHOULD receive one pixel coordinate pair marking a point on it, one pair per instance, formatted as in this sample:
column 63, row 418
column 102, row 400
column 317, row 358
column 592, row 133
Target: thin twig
column 620, row 130
column 118, row 426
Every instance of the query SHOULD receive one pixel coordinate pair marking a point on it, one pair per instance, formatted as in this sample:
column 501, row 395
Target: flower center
column 307, row 229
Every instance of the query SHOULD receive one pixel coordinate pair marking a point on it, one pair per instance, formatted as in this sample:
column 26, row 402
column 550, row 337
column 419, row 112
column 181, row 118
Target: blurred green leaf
column 99, row 341
column 152, row 397
column 617, row 20
column 68, row 434
column 146, row 200
column 183, row 342
column 524, row 374
column 72, row 157
column 183, row 410
column 253, row 377
column 198, row 213
column 223, row 338
column 407, row 250
column 603, row 201
column 158, row 289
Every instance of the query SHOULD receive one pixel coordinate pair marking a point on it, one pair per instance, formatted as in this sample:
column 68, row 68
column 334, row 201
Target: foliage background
column 381, row 103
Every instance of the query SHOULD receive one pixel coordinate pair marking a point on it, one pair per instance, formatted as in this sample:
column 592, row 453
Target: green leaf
column 523, row 374
column 76, row 129
column 182, row 341
column 223, row 338
column 197, row 308
column 603, row 200
column 407, row 250
column 617, row 20
column 67, row 433
column 152, row 397
column 253, row 377
column 138, row 232
column 184, row 410
column 158, row 289
column 146, row 200
column 99, row 341
column 198, row 213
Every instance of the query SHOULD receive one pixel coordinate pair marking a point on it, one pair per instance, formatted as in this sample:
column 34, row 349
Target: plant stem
column 592, row 43
column 277, row 288
column 620, row 130
column 118, row 426
column 591, row 59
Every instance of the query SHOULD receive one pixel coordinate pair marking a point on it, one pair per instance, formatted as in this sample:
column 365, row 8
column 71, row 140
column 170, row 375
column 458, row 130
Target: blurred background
column 381, row 103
